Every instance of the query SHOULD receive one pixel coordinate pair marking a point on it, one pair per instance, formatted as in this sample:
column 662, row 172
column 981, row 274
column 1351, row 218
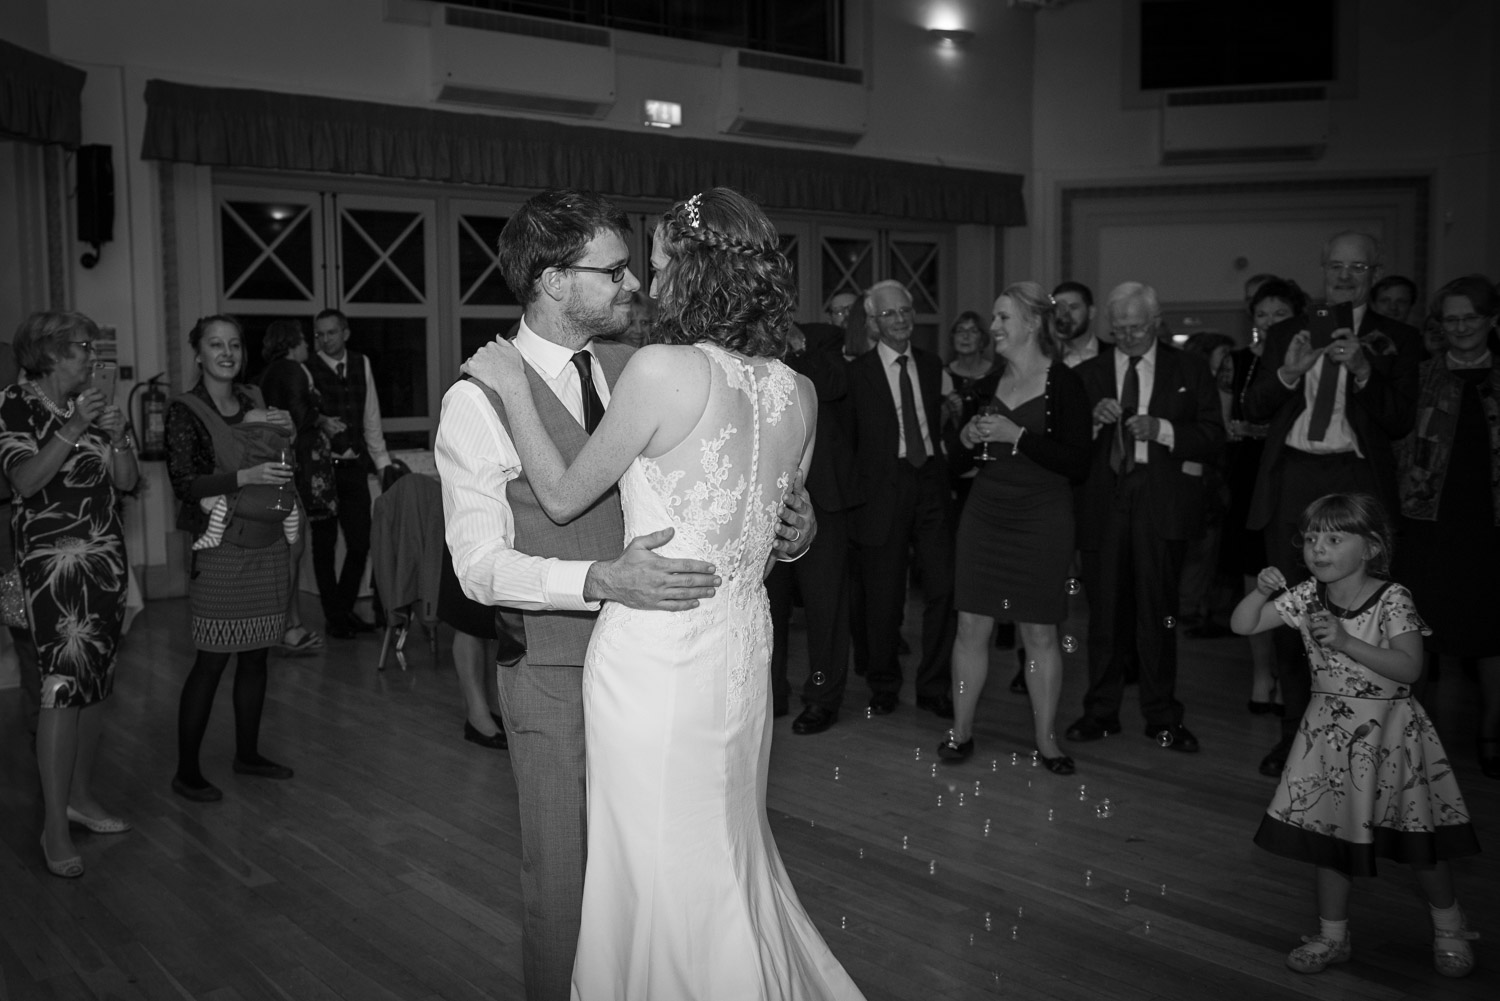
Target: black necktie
column 1329, row 374
column 916, row 450
column 593, row 407
column 339, row 370
column 1122, row 456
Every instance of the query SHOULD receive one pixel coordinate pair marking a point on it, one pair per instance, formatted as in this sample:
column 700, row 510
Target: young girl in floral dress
column 1366, row 776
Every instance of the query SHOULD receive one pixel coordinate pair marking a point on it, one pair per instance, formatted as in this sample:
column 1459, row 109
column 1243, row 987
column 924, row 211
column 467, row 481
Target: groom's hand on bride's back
column 640, row 578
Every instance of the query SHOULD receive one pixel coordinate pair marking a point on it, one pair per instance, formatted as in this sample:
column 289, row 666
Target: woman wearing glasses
column 68, row 453
column 1449, row 469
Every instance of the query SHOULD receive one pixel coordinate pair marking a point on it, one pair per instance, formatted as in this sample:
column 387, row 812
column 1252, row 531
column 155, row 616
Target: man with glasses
column 347, row 385
column 895, row 392
column 1157, row 424
column 564, row 256
column 1335, row 413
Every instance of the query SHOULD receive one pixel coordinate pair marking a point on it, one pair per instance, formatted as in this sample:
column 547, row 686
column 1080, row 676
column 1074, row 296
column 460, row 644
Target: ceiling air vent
column 1248, row 125
column 504, row 61
column 798, row 100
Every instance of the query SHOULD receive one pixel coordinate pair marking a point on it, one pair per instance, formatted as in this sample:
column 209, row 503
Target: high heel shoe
column 1060, row 765
column 68, row 868
column 952, row 750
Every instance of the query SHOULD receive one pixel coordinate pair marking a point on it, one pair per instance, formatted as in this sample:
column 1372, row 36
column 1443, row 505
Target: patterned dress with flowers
column 70, row 547
column 1366, row 776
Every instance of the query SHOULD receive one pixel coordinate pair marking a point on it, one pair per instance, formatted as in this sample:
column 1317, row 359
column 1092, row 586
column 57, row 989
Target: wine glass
column 989, row 409
column 284, row 491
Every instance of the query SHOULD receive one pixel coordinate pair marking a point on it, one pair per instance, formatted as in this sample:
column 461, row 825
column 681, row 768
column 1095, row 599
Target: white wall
column 1427, row 103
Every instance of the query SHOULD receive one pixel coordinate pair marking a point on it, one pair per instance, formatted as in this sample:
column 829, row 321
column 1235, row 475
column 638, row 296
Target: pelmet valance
column 225, row 127
column 39, row 98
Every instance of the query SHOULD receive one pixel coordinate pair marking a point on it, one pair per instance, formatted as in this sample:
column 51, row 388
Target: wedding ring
column 796, row 537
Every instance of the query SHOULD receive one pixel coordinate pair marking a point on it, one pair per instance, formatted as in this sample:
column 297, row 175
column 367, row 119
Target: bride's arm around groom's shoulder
column 652, row 407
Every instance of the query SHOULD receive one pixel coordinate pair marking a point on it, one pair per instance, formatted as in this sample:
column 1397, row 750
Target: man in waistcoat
column 564, row 256
column 343, row 378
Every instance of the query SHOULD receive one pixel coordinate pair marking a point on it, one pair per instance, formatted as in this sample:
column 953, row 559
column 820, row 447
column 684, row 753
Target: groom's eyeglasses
column 616, row 273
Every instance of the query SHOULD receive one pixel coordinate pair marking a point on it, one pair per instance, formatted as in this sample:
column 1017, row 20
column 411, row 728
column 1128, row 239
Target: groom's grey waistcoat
column 562, row 637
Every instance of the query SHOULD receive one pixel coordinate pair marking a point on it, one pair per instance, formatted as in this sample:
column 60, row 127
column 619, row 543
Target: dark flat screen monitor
column 1187, row 44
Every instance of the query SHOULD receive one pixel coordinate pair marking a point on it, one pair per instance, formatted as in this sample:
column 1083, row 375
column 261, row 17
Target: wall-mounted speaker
column 96, row 199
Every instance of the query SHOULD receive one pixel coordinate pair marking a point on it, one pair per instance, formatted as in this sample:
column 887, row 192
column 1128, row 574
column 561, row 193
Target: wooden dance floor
column 387, row 869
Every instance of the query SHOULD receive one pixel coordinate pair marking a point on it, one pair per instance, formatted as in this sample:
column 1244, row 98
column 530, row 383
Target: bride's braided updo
column 726, row 279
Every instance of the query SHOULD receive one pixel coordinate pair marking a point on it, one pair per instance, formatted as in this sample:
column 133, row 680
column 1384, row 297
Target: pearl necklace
column 53, row 408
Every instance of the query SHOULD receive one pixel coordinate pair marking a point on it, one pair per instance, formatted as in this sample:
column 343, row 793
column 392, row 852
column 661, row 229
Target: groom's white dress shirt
column 476, row 459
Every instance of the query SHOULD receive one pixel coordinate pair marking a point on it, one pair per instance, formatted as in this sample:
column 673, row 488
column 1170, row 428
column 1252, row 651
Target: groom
column 565, row 258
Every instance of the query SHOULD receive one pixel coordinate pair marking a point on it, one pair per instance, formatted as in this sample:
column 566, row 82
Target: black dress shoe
column 1273, row 763
column 940, row 706
column 1489, row 758
column 883, row 703
column 1089, row 728
column 951, row 750
column 338, row 630
column 1173, row 735
column 495, row 742
column 262, row 769
column 205, row 793
column 814, row 719
column 359, row 625
column 1060, row 765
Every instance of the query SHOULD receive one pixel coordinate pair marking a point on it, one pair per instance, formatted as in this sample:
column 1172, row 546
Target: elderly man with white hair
column 1157, row 423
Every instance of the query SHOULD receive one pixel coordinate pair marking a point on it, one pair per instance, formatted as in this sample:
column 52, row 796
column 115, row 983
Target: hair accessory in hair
column 692, row 210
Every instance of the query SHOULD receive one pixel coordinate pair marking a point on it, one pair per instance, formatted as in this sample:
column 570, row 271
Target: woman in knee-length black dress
column 1015, row 537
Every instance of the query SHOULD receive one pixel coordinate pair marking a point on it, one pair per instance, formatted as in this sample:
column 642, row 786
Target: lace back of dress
column 723, row 485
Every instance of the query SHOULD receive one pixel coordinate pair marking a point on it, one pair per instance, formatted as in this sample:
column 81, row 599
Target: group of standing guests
column 1098, row 448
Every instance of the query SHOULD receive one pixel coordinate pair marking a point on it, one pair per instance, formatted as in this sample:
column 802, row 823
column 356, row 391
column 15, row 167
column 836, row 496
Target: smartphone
column 1321, row 324
column 1326, row 319
column 105, row 377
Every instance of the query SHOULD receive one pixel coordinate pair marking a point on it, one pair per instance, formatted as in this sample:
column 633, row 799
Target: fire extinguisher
column 153, row 419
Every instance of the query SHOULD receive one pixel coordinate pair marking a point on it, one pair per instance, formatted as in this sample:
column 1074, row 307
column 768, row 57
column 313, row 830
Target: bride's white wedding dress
column 685, row 896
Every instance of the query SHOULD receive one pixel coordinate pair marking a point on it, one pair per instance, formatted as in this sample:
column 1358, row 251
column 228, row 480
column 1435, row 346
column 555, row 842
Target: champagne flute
column 987, row 409
column 283, row 491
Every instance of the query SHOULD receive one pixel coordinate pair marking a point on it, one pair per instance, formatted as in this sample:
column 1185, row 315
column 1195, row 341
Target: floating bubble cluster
column 1104, row 810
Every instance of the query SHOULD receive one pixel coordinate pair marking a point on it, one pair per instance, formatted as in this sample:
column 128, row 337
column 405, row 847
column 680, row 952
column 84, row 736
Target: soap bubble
column 1005, row 604
column 819, row 678
column 904, row 838
column 844, row 922
column 1169, row 622
column 932, row 867
column 1074, row 586
column 1083, row 792
column 1164, row 738
column 835, row 773
column 1049, row 816
column 1069, row 644
column 1104, row 811
column 1127, row 896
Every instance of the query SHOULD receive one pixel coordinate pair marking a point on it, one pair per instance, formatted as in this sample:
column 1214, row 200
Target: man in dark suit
column 895, row 392
column 822, row 574
column 1158, row 422
column 1334, row 414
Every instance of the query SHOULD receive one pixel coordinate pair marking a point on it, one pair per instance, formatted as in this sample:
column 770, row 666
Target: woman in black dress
column 1242, row 552
column 239, row 587
column 1449, row 469
column 68, row 452
column 1015, row 536
column 286, row 384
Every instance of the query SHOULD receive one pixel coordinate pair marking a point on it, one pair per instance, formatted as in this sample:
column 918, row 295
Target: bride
column 685, row 896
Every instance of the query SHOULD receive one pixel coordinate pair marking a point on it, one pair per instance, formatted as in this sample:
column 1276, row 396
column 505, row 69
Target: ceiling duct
column 522, row 64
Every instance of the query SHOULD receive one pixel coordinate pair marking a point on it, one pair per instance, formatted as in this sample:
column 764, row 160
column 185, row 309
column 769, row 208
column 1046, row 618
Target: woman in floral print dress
column 67, row 451
column 1366, row 776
